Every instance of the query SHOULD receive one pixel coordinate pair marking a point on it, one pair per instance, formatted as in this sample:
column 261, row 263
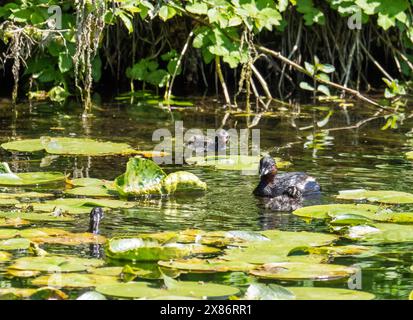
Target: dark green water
column 367, row 157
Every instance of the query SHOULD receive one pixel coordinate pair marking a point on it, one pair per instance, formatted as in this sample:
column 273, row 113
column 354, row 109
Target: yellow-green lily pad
column 31, row 178
column 15, row 244
column 187, row 289
column 55, row 264
column 69, row 146
column 302, row 271
column 13, row 222
column 5, row 256
column 318, row 293
column 138, row 249
column 34, row 216
column 382, row 196
column 74, row 280
column 27, row 195
column 326, row 211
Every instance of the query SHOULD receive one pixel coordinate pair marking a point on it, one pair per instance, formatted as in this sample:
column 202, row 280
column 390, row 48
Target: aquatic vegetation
column 74, row 280
column 319, row 293
column 329, row 210
column 145, row 177
column 207, row 265
column 69, row 146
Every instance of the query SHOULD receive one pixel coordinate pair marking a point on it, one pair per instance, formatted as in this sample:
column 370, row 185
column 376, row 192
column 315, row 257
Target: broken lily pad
column 382, row 196
column 69, row 146
column 302, row 271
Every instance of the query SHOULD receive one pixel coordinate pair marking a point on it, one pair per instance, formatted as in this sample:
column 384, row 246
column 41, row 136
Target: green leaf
column 306, row 86
column 197, row 8
column 166, row 12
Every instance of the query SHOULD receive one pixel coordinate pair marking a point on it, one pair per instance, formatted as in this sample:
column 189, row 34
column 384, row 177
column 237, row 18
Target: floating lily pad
column 34, row 294
column 207, row 265
column 317, row 293
column 55, row 264
column 186, row 289
column 31, row 178
column 27, row 195
column 138, row 249
column 28, row 145
column 15, row 244
column 335, row 251
column 71, row 239
column 78, row 205
column 89, row 182
column 383, row 196
column 34, row 216
column 107, row 271
column 5, row 256
column 183, row 181
column 326, row 211
column 382, row 233
column 92, row 191
column 69, row 146
column 91, row 295
column 233, row 162
column 8, row 202
column 74, row 280
column 22, row 273
column 260, row 291
column 143, row 177
column 302, row 271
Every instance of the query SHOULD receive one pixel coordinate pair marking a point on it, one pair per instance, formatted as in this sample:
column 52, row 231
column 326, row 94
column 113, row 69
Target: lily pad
column 260, row 291
column 78, row 205
column 142, row 177
column 326, row 211
column 33, row 216
column 335, row 251
column 13, row 222
column 91, row 295
column 317, row 293
column 233, row 162
column 71, row 239
column 302, row 271
column 55, row 264
column 138, row 249
column 92, row 191
column 5, row 256
column 28, row 195
column 34, row 294
column 207, row 265
column 15, row 244
column 183, row 181
column 382, row 196
column 186, row 289
column 74, row 280
column 89, row 182
column 382, row 233
column 69, row 146
column 31, row 178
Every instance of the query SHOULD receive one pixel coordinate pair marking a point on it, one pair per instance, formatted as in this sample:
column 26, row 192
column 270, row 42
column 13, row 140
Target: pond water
column 367, row 157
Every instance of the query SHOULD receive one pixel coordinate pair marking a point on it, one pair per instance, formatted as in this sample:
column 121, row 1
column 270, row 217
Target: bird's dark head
column 267, row 166
column 96, row 215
